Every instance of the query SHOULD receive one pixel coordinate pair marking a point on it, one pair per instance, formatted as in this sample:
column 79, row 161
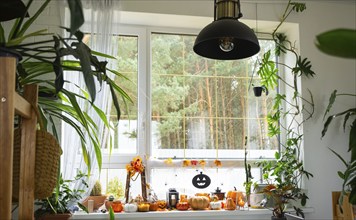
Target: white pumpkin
column 130, row 207
column 216, row 205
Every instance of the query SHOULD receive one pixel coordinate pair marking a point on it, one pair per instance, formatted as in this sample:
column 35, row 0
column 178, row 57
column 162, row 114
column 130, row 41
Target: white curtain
column 99, row 17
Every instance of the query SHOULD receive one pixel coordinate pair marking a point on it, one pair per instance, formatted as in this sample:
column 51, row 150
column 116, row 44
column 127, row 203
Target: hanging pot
column 258, row 90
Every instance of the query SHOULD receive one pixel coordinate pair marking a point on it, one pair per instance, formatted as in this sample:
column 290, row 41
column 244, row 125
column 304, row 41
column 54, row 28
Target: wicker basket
column 48, row 153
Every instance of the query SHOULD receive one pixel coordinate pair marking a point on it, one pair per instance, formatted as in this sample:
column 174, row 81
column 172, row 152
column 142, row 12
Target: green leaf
column 111, row 214
column 340, row 157
column 84, row 208
column 338, row 42
column 331, row 102
column 268, row 71
column 331, row 117
column 2, row 36
column 96, row 53
column 84, row 55
column 30, row 21
column 57, row 66
column 115, row 101
column 352, row 141
column 298, row 7
column 303, row 67
column 76, row 15
column 86, row 157
column 20, row 39
column 341, row 174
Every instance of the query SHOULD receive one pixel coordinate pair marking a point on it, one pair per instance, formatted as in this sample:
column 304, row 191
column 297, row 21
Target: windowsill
column 193, row 215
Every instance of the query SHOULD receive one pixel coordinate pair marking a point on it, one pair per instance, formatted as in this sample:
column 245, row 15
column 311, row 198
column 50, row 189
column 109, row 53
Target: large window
column 185, row 107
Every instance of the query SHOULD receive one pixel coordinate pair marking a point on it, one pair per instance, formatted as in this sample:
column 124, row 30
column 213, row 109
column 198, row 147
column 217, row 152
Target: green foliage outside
column 193, row 96
column 115, row 188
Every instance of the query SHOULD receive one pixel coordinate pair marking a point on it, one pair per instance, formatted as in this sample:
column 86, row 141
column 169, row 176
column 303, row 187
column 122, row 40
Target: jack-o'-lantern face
column 201, row 181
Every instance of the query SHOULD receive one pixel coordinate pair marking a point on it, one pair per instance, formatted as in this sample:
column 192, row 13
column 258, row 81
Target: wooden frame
column 347, row 210
column 143, row 186
column 11, row 103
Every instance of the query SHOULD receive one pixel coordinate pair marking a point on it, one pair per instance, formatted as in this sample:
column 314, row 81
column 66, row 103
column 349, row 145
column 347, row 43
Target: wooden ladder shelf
column 11, row 103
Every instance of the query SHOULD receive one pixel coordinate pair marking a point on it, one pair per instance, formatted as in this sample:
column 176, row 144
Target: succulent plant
column 96, row 191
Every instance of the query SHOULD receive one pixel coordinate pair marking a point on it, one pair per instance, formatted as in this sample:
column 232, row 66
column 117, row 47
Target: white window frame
column 143, row 27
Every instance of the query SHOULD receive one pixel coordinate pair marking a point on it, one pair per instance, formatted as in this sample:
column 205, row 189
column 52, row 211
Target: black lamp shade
column 207, row 43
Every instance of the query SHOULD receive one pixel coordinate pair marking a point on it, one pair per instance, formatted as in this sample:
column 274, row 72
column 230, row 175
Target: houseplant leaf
column 338, row 42
column 30, row 21
column 12, row 9
column 331, row 102
column 77, row 16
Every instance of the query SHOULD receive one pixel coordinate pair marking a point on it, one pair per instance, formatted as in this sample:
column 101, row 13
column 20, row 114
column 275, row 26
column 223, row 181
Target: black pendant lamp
column 226, row 38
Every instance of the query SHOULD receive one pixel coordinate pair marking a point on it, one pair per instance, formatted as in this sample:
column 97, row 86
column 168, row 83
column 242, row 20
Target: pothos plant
column 286, row 171
column 51, row 56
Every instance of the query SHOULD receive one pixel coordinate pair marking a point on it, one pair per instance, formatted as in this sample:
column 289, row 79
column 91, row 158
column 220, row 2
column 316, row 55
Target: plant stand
column 11, row 103
column 143, row 186
column 347, row 212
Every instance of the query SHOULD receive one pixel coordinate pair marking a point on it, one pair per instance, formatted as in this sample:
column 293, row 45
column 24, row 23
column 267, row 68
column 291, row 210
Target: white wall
column 332, row 73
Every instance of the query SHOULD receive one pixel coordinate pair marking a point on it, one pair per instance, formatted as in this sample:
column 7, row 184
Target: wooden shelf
column 11, row 103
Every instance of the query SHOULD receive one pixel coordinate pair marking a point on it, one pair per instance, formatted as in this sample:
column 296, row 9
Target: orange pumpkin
column 153, row 206
column 143, row 207
column 234, row 195
column 117, row 206
column 230, row 204
column 183, row 198
column 162, row 204
column 182, row 206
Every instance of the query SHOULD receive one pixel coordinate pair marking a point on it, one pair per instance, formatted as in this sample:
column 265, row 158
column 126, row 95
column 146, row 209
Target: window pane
column 113, row 182
column 200, row 105
column 124, row 134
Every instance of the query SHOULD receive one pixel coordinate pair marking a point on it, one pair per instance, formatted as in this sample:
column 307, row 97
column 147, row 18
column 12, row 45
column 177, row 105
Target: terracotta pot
column 64, row 216
column 98, row 201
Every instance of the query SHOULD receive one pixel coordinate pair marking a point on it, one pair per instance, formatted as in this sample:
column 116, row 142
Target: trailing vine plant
column 286, row 119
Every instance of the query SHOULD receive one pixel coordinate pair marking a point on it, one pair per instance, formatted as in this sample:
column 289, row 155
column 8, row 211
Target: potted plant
column 96, row 196
column 44, row 62
column 286, row 171
column 341, row 43
column 57, row 206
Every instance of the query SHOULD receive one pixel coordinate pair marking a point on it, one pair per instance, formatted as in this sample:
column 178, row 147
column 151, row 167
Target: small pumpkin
column 143, row 207
column 182, row 206
column 153, row 206
column 234, row 195
column 117, row 206
column 230, row 204
column 183, row 198
column 162, row 204
column 130, row 207
column 199, row 202
column 215, row 204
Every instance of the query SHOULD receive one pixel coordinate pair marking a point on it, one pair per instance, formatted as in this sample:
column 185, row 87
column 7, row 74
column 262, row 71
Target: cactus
column 96, row 191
